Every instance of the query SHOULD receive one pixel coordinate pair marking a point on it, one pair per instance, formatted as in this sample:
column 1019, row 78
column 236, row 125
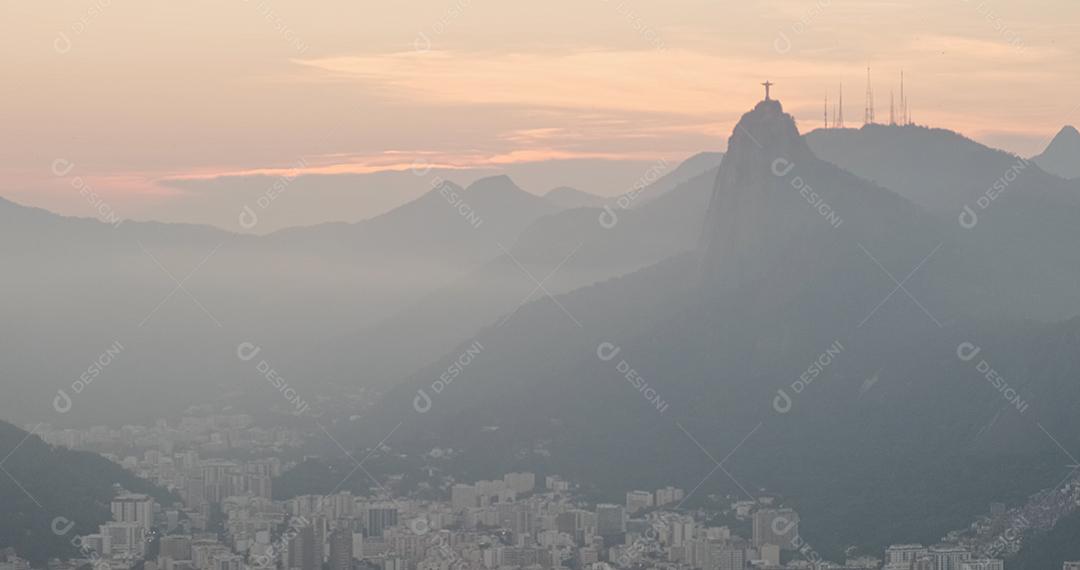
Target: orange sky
column 132, row 92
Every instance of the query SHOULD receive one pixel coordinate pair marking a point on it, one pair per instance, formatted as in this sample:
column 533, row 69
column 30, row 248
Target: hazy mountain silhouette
column 953, row 170
column 564, row 251
column 446, row 221
column 1007, row 213
column 898, row 427
column 684, row 172
column 1062, row 155
column 310, row 199
column 566, row 197
column 718, row 286
column 296, row 291
column 76, row 286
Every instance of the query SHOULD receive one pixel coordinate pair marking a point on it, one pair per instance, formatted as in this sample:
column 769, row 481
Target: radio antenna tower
column 892, row 109
column 904, row 118
column 869, row 116
column 840, row 119
column 826, row 114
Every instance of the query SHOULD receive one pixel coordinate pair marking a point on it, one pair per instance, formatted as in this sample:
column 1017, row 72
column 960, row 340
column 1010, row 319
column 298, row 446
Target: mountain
column 815, row 337
column 778, row 207
column 697, row 164
column 1062, row 155
column 565, row 251
column 338, row 306
column 567, row 198
column 42, row 483
column 952, row 171
column 304, row 199
column 446, row 221
column 660, row 181
column 179, row 298
column 998, row 206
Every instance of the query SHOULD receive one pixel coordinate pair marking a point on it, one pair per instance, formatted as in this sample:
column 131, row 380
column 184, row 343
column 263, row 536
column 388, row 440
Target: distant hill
column 309, row 199
column 181, row 297
column 570, row 249
column 43, row 482
column 1062, row 155
column 997, row 205
column 566, row 197
column 684, row 172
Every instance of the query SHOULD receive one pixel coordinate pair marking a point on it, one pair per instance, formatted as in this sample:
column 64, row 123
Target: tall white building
column 949, row 557
column 520, row 483
column 903, row 556
column 668, row 495
column 133, row 508
column 123, row 540
column 556, row 483
column 770, row 553
column 681, row 530
column 638, row 500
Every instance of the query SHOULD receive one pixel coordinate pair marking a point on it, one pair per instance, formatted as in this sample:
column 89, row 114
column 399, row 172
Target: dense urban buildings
column 227, row 519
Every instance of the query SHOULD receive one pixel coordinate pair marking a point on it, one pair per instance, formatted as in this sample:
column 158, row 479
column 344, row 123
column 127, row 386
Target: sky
column 158, row 107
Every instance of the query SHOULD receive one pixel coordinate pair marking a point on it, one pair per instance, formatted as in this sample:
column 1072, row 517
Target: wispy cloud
column 670, row 81
column 397, row 161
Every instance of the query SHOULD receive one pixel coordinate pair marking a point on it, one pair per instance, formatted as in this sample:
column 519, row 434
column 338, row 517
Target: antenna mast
column 869, row 115
column 905, row 119
column 840, row 121
column 892, row 109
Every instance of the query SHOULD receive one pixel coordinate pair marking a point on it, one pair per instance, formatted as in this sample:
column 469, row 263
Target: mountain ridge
column 1062, row 155
column 774, row 284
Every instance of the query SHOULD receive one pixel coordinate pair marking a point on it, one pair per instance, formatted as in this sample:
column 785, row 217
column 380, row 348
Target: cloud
column 646, row 81
column 397, row 161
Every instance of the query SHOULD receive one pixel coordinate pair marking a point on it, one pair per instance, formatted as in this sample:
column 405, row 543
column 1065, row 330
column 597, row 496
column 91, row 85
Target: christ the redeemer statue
column 767, row 85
